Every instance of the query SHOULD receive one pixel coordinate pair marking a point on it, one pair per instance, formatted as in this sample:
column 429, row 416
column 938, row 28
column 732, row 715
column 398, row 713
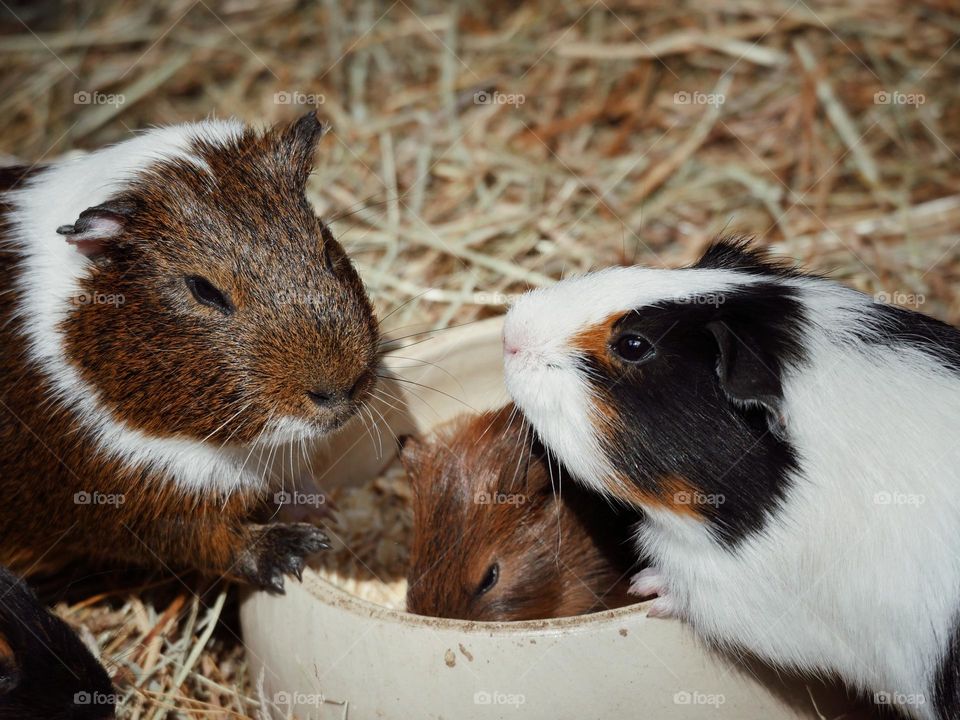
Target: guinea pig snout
column 514, row 339
column 327, row 396
column 322, row 397
column 525, row 348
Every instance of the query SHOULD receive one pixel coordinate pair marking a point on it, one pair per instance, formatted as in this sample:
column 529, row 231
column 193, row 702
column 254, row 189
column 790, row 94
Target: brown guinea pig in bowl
column 500, row 533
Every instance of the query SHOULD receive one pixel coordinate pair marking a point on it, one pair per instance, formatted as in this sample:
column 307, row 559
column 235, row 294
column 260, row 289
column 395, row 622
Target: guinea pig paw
column 9, row 677
column 279, row 550
column 662, row 607
column 647, row 582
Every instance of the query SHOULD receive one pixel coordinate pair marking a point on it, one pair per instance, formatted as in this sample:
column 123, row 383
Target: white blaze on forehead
column 546, row 319
column 540, row 361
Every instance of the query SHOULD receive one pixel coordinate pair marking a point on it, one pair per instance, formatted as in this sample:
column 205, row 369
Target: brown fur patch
column 169, row 366
column 483, row 495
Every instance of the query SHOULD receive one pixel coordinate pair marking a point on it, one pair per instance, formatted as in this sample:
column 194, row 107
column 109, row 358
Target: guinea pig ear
column 748, row 375
column 97, row 227
column 300, row 142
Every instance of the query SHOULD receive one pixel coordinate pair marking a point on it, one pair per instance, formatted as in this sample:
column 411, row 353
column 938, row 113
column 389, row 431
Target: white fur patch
column 54, row 269
column 858, row 572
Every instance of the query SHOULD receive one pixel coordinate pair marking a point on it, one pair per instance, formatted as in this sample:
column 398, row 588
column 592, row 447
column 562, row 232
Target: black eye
column 207, row 294
column 489, row 580
column 634, row 349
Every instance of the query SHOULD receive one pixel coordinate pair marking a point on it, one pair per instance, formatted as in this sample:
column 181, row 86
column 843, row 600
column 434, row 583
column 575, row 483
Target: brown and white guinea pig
column 46, row 672
column 794, row 445
column 499, row 535
column 173, row 310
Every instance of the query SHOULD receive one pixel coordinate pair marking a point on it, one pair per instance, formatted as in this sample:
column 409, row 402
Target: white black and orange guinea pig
column 46, row 672
column 793, row 444
column 498, row 535
column 173, row 310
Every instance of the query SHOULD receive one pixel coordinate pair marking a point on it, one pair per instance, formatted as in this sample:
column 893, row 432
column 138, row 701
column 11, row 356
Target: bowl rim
column 330, row 595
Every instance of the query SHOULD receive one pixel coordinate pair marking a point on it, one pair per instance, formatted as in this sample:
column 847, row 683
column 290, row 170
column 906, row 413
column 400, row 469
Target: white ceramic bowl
column 328, row 654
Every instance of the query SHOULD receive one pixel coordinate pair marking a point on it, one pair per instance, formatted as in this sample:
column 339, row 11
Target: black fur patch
column 946, row 683
column 897, row 326
column 52, row 675
column 677, row 420
column 741, row 253
column 14, row 176
column 887, row 324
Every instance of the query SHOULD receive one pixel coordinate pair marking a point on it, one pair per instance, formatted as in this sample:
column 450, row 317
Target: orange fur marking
column 6, row 652
column 674, row 494
column 593, row 340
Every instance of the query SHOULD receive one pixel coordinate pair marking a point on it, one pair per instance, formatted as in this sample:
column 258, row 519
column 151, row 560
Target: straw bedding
column 480, row 149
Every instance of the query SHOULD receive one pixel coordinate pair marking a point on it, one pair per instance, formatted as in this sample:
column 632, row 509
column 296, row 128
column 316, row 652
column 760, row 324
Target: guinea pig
column 46, row 672
column 499, row 535
column 174, row 310
column 793, row 444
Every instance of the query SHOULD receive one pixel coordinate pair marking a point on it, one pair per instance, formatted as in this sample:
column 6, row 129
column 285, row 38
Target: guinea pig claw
column 295, row 566
column 646, row 583
column 662, row 607
column 282, row 549
column 275, row 584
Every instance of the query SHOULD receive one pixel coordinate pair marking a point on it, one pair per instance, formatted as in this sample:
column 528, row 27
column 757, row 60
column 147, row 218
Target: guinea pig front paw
column 648, row 583
column 9, row 676
column 277, row 550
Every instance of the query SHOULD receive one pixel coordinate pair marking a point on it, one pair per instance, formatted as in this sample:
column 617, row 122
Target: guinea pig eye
column 205, row 293
column 634, row 349
column 489, row 580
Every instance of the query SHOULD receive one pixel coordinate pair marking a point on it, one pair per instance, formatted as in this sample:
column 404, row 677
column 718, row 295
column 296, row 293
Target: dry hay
column 604, row 143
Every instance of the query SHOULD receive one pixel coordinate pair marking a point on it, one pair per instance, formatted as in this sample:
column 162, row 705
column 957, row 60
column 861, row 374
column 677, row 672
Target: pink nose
column 511, row 343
